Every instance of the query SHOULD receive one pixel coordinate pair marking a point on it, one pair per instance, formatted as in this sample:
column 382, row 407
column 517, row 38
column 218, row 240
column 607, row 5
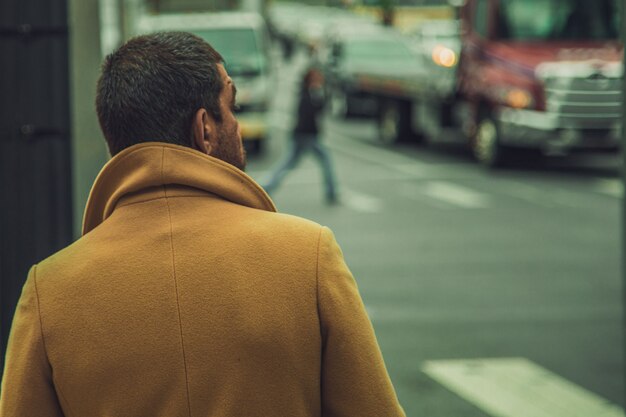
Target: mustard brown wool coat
column 188, row 295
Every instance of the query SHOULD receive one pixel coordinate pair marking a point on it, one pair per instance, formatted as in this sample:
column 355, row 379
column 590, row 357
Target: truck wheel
column 253, row 147
column 393, row 121
column 487, row 147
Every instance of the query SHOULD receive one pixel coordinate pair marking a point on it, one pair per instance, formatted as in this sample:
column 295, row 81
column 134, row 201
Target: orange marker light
column 518, row 99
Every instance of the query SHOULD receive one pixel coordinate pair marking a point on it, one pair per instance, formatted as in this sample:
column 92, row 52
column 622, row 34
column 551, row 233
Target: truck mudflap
column 554, row 133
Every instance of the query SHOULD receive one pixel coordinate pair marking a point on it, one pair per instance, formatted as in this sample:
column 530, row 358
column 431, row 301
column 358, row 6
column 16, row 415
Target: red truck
column 526, row 74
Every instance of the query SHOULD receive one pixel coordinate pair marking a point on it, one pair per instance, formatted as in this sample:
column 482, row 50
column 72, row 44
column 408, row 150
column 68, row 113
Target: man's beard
column 230, row 149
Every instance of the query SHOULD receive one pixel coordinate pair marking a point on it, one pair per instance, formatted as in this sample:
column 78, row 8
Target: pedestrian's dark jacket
column 309, row 107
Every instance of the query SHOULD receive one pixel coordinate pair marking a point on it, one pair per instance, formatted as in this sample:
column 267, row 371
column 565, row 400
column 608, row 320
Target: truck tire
column 394, row 121
column 487, row 146
column 253, row 147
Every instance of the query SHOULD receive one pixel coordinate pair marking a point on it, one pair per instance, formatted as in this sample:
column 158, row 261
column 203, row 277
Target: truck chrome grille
column 584, row 102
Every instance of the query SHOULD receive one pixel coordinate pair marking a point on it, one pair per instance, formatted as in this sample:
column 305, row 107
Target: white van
column 243, row 41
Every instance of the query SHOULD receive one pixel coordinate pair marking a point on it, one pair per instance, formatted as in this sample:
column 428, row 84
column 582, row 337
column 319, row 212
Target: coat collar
column 155, row 164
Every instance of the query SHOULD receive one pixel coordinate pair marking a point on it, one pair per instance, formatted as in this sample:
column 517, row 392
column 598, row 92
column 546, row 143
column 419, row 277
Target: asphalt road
column 456, row 262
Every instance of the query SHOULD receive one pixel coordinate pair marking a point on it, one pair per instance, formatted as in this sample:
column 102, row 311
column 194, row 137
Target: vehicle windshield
column 528, row 20
column 380, row 49
column 239, row 49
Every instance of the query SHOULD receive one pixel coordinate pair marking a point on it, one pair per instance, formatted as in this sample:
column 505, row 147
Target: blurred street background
column 455, row 262
column 484, row 236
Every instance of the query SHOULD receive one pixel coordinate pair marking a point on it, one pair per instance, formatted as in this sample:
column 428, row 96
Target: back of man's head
column 151, row 87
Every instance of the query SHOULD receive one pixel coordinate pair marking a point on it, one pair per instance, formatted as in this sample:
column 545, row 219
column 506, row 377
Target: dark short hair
column 152, row 86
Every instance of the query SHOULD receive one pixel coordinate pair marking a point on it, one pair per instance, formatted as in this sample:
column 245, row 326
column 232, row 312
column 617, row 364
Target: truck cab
column 540, row 74
column 243, row 41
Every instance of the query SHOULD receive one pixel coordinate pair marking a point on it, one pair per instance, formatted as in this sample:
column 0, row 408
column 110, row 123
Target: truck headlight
column 444, row 56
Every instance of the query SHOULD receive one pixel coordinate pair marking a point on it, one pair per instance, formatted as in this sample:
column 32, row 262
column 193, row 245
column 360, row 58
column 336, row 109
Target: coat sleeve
column 27, row 387
column 354, row 378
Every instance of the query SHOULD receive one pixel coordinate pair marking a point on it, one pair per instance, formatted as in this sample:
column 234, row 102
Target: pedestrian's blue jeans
column 300, row 144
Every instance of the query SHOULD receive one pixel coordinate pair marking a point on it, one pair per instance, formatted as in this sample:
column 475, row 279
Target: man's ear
column 202, row 129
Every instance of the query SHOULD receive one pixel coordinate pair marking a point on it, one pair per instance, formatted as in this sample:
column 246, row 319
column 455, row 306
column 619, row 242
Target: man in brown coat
column 188, row 295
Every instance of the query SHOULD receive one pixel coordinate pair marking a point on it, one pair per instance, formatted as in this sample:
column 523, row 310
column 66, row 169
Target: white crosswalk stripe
column 517, row 387
column 361, row 202
column 456, row 195
column 611, row 187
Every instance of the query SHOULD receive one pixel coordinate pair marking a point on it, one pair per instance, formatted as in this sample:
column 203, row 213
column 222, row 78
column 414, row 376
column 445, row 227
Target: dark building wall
column 35, row 147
